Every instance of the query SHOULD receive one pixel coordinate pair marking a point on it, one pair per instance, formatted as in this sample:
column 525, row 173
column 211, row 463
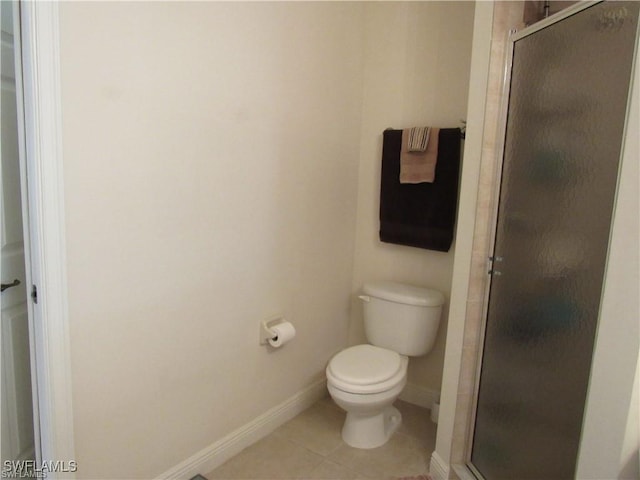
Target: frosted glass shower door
column 566, row 116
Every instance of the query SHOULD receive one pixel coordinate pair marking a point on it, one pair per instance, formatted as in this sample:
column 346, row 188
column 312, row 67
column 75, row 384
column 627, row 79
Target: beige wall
column 417, row 60
column 477, row 136
column 211, row 156
column 221, row 167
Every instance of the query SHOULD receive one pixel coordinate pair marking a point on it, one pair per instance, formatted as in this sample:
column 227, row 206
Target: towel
column 420, row 215
column 418, row 138
column 418, row 166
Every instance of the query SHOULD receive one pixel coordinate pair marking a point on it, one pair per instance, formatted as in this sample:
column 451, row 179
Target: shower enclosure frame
column 513, row 36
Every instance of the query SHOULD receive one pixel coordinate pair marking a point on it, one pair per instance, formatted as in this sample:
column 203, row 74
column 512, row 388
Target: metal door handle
column 15, row 283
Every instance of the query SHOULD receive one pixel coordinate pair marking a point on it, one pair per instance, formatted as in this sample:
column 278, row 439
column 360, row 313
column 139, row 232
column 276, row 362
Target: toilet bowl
column 364, row 380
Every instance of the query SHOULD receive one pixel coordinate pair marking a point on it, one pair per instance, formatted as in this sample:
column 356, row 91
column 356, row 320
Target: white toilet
column 364, row 380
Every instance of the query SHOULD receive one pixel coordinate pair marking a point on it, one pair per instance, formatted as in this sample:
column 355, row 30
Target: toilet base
column 371, row 431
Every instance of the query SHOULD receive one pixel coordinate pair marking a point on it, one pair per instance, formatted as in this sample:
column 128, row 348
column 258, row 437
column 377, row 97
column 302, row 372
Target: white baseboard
column 438, row 468
column 219, row 452
column 421, row 396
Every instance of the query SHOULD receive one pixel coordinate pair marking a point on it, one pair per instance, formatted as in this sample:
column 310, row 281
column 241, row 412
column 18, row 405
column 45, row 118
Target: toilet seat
column 366, row 369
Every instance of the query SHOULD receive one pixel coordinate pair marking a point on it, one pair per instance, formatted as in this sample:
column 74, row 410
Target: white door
column 16, row 399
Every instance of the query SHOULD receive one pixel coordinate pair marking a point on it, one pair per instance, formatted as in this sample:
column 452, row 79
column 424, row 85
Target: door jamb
column 39, row 26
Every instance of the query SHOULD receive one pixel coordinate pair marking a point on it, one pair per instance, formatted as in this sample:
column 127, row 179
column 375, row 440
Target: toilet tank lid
column 401, row 293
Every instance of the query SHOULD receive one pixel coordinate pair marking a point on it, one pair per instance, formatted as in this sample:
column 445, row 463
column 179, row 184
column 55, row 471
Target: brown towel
column 419, row 167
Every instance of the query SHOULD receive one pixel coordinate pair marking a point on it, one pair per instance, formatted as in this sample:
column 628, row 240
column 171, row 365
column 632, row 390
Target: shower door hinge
column 34, row 293
column 491, row 269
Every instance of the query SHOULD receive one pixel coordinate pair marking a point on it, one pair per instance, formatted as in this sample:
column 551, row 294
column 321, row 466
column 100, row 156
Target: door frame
column 614, row 345
column 44, row 212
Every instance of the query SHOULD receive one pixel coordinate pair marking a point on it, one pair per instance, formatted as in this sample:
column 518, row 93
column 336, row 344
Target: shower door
column 567, row 107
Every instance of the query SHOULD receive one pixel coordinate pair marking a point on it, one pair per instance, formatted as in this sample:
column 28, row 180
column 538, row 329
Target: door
column 16, row 396
column 566, row 116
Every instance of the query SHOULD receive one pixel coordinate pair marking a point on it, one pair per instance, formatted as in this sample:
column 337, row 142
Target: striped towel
column 419, row 166
column 418, row 139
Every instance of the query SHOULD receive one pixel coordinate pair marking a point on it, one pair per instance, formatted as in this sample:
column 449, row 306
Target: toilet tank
column 400, row 317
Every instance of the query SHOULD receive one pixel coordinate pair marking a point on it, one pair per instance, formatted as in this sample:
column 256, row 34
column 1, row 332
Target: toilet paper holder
column 266, row 333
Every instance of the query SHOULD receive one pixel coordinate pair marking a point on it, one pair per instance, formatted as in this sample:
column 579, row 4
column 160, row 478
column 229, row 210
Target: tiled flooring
column 310, row 447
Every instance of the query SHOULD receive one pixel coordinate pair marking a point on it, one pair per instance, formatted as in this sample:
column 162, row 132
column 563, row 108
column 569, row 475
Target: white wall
column 222, row 166
column 416, row 64
column 211, row 157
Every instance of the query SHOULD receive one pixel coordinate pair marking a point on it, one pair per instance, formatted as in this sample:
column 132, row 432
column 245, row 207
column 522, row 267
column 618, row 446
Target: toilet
column 400, row 321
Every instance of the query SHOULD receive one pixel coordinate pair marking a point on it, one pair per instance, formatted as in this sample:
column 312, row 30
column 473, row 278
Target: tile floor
column 310, row 447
